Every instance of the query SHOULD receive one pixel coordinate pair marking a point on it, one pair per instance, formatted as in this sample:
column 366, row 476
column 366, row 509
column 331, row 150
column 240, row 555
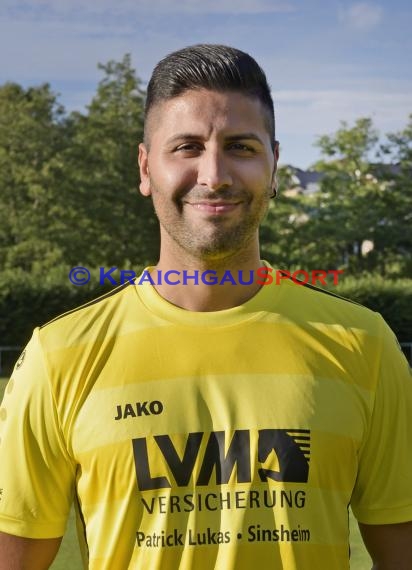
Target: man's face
column 210, row 171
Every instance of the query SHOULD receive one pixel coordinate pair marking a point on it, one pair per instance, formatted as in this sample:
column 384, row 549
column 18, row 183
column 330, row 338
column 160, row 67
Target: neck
column 195, row 294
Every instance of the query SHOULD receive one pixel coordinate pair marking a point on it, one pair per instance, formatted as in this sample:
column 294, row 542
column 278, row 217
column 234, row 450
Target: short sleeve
column 383, row 490
column 36, row 472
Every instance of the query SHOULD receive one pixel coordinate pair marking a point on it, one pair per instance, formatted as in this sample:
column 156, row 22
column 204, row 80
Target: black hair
column 210, row 66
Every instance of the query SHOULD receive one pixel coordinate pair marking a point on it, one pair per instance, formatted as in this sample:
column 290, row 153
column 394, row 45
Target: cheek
column 255, row 177
column 171, row 176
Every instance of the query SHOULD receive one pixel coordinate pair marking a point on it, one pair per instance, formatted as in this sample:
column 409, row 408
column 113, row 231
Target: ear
column 276, row 151
column 143, row 160
column 276, row 157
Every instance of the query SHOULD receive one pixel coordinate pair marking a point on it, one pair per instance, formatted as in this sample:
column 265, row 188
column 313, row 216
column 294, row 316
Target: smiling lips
column 215, row 207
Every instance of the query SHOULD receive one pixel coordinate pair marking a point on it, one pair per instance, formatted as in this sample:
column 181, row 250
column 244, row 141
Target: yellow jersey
column 208, row 440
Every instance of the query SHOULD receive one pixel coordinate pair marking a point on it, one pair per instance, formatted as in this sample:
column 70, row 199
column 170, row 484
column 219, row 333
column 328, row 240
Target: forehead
column 204, row 112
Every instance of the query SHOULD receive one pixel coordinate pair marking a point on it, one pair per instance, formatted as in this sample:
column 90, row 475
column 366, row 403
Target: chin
column 218, row 250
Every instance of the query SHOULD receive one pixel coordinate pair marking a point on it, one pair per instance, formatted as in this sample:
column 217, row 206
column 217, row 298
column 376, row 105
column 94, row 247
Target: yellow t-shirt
column 228, row 440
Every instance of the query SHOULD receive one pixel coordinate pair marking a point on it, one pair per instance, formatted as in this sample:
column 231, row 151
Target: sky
column 326, row 61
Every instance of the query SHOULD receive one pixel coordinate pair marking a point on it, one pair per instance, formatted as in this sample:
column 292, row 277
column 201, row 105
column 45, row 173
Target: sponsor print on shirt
column 222, row 460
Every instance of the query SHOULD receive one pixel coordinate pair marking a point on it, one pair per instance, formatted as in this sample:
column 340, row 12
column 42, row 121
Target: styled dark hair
column 210, row 66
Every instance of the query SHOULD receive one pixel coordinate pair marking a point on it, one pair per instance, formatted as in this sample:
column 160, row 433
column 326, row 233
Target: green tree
column 69, row 183
column 109, row 222
column 363, row 200
column 395, row 237
column 282, row 234
column 32, row 135
column 356, row 202
column 344, row 212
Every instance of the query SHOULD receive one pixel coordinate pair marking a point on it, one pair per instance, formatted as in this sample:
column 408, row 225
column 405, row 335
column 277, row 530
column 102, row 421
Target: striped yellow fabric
column 222, row 440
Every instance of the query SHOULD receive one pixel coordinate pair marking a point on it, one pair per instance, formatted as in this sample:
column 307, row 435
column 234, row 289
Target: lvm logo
column 215, row 453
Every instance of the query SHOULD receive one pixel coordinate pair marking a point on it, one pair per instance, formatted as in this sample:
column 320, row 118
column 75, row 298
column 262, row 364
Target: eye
column 188, row 148
column 241, row 147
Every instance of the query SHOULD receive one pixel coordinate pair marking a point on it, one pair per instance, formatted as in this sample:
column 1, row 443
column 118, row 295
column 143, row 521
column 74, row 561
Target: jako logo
column 291, row 447
column 139, row 409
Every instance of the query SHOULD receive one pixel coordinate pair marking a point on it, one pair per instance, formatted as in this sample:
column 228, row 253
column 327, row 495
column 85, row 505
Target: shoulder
column 99, row 317
column 308, row 304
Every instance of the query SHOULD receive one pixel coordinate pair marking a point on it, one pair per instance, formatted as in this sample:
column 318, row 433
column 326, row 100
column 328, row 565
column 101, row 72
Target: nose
column 213, row 170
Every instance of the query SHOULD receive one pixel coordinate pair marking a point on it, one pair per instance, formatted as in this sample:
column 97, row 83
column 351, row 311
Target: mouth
column 214, row 207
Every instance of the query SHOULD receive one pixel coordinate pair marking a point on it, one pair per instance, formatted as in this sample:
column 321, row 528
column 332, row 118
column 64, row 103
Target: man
column 201, row 426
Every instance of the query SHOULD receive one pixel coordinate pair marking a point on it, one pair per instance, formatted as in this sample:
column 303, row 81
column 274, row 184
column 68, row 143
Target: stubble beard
column 214, row 239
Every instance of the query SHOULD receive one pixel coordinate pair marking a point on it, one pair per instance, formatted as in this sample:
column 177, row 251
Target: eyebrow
column 244, row 136
column 229, row 138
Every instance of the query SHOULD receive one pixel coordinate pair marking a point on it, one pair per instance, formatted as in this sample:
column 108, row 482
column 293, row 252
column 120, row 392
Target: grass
column 68, row 557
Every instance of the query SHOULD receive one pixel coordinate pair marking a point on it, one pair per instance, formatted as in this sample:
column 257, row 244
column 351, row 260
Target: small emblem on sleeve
column 21, row 359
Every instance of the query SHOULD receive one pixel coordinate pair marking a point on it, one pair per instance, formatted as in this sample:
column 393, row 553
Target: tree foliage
column 360, row 219
column 113, row 223
column 69, row 183
column 32, row 135
column 283, row 231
